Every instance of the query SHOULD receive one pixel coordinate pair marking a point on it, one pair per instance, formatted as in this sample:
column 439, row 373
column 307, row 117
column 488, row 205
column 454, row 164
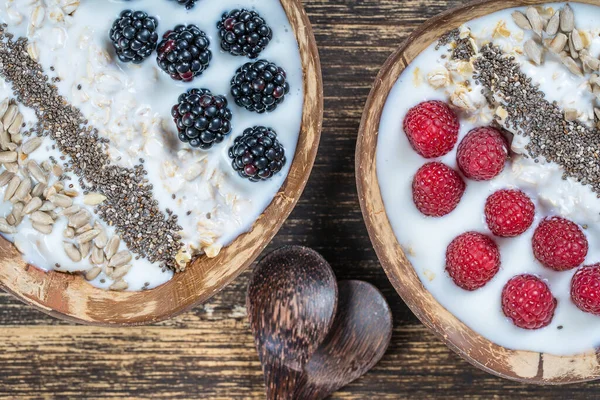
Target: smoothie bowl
column 149, row 150
column 477, row 172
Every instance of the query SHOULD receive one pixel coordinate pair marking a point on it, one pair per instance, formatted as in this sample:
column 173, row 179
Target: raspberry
column 431, row 128
column 472, row 260
column 559, row 244
column 482, row 153
column 585, row 289
column 437, row 189
column 509, row 213
column 528, row 302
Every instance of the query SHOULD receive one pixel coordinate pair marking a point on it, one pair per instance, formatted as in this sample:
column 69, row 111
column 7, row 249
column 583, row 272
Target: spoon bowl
column 291, row 301
column 359, row 337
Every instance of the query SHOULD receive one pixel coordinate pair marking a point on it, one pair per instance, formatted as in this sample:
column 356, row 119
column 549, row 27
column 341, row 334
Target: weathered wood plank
column 208, row 352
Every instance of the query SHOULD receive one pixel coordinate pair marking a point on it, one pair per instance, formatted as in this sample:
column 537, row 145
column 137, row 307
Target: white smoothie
column 131, row 105
column 425, row 239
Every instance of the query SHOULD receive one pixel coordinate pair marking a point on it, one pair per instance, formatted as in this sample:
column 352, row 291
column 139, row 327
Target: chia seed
column 571, row 144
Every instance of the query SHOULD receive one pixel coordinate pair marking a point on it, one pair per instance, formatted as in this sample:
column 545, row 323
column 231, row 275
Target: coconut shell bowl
column 523, row 366
column 71, row 298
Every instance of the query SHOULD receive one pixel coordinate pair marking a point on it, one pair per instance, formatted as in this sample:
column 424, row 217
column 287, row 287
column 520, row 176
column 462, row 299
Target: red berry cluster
column 472, row 258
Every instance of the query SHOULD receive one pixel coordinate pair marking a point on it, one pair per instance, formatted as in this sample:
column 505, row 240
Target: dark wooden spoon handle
column 280, row 381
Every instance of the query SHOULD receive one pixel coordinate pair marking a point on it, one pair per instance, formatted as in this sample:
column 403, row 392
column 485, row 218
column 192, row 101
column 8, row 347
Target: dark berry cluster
column 257, row 154
column 186, row 3
column 202, row 118
column 134, row 36
column 244, row 33
column 184, row 52
column 259, row 86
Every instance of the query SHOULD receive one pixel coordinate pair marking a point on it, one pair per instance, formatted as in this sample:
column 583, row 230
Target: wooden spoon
column 359, row 337
column 291, row 301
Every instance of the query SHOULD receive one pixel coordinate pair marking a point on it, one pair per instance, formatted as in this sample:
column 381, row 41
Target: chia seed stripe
column 571, row 144
column 130, row 206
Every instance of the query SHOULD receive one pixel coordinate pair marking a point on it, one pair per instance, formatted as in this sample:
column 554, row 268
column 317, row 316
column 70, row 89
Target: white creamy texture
column 131, row 105
column 425, row 239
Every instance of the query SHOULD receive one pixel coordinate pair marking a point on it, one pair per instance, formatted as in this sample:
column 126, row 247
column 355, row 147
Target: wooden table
column 208, row 352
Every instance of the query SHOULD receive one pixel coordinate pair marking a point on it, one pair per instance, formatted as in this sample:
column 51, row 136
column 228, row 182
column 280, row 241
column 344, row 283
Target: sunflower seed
column 57, row 170
column 38, row 190
column 47, row 206
column 537, row 23
column 49, row 192
column 59, row 186
column 88, row 236
column 8, row 156
column 93, row 199
column 60, row 200
column 572, row 66
column 97, row 256
column 101, row 240
column 5, row 226
column 23, row 190
column 5, row 177
column 590, row 62
column 74, row 209
column 521, row 20
column 533, row 51
column 43, row 228
column 112, row 246
column 85, row 248
column 71, row 193
column 12, row 167
column 3, row 107
column 69, row 233
column 119, row 285
column 576, row 40
column 567, row 19
column 17, row 212
column 72, row 251
column 553, row 24
column 120, row 272
column 15, row 126
column 31, row 145
column 79, row 219
column 36, row 171
column 32, row 205
column 42, row 218
column 85, row 228
column 558, row 43
column 11, row 220
column 121, row 258
column 12, row 188
column 10, row 115
column 91, row 274
column 4, row 138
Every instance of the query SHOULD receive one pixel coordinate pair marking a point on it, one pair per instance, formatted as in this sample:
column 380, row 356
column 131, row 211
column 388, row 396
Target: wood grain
column 209, row 351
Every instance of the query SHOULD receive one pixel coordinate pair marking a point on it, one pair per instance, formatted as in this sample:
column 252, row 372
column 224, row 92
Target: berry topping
column 528, row 302
column 559, row 244
column 134, row 36
column 431, row 128
column 509, row 213
column 585, row 289
column 257, row 154
column 482, row 153
column 244, row 33
column 186, row 3
column 472, row 260
column 259, row 86
column 183, row 52
column 437, row 189
column 202, row 118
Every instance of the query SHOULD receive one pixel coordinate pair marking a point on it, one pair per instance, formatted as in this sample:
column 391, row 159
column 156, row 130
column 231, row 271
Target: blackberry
column 259, row 86
column 187, row 3
column 244, row 33
column 257, row 154
column 202, row 118
column 183, row 52
column 134, row 36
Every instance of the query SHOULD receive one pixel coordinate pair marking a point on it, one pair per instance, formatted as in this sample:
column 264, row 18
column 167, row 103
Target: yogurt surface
column 425, row 239
column 131, row 105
